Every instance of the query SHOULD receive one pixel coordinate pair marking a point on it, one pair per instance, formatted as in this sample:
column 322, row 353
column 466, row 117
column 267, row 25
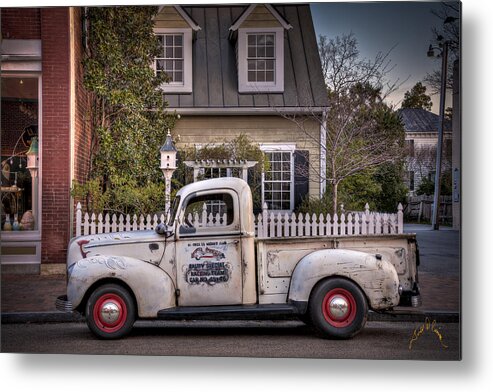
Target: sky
column 380, row 26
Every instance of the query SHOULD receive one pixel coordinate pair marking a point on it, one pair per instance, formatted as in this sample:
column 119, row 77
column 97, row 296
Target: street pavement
column 439, row 276
column 268, row 339
column 439, row 269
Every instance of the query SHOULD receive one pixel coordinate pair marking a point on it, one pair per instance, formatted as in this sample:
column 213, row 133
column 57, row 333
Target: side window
column 278, row 181
column 208, row 211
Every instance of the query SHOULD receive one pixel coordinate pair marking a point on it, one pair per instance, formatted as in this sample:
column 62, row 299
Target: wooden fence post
column 78, row 219
column 265, row 220
column 400, row 219
column 293, row 225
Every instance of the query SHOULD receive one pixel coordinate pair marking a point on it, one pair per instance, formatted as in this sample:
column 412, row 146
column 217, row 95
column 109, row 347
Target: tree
column 423, row 163
column 393, row 190
column 427, row 186
column 449, row 113
column 361, row 132
column 342, row 66
column 128, row 111
column 239, row 148
column 417, row 98
column 382, row 188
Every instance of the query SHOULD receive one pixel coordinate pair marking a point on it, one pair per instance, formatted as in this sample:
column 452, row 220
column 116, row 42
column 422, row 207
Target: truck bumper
column 63, row 305
column 411, row 297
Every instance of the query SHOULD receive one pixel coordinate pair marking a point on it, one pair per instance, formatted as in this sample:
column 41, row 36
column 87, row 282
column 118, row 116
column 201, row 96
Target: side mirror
column 162, row 229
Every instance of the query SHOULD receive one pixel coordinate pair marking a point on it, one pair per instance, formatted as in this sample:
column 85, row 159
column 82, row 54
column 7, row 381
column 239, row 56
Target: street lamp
column 443, row 49
column 33, row 166
column 168, row 166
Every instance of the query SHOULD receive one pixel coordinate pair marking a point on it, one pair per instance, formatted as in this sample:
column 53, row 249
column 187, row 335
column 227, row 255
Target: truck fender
column 152, row 288
column 374, row 274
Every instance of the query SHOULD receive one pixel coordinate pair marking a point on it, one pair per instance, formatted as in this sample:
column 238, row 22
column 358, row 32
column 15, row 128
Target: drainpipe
column 323, row 153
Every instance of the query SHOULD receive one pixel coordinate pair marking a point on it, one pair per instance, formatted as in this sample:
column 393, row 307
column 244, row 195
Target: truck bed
column 278, row 257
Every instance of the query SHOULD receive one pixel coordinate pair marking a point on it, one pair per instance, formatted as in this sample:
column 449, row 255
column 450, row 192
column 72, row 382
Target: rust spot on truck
column 386, row 301
column 81, row 243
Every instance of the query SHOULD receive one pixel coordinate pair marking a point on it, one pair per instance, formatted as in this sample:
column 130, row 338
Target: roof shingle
column 421, row 120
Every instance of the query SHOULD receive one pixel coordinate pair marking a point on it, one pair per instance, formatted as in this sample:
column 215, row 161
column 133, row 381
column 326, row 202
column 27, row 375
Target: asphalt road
column 281, row 339
column 439, row 250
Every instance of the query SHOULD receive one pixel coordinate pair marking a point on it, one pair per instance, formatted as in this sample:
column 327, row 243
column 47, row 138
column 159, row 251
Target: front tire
column 338, row 308
column 110, row 312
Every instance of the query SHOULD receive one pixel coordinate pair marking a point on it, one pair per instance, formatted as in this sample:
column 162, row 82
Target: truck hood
column 145, row 245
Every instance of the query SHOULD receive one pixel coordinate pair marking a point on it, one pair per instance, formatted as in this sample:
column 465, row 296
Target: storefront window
column 19, row 152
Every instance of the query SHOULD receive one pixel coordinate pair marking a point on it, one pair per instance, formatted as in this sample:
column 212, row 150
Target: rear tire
column 338, row 308
column 110, row 312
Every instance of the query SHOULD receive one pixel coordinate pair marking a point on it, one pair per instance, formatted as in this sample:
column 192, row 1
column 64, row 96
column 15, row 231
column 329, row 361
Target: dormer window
column 171, row 58
column 261, row 57
column 261, row 60
column 174, row 29
column 175, row 59
column 259, row 35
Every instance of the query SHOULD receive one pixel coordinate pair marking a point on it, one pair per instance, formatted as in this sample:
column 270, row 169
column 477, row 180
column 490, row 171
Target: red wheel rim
column 104, row 302
column 339, row 317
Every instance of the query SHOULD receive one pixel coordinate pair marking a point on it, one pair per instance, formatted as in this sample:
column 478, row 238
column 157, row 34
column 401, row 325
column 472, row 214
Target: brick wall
column 83, row 124
column 52, row 26
column 21, row 23
column 55, row 134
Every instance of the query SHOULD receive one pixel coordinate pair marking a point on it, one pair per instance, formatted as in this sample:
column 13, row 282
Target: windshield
column 172, row 212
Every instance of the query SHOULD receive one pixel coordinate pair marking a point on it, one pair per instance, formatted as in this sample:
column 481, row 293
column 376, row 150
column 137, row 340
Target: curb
column 395, row 316
column 40, row 317
column 416, row 316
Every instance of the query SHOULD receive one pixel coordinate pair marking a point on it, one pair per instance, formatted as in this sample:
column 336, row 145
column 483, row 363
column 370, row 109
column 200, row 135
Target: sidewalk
column 439, row 280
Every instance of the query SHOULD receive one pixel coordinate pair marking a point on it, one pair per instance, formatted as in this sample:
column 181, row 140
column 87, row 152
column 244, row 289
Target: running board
column 230, row 312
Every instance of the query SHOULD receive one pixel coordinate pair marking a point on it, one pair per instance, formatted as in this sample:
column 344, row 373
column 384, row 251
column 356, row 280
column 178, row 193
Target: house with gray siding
column 243, row 69
column 421, row 127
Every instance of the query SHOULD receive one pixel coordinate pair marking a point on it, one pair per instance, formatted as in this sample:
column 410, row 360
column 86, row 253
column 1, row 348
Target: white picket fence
column 271, row 225
column 267, row 224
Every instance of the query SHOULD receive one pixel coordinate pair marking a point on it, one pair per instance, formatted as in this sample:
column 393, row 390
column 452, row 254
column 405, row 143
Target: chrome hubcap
column 110, row 312
column 338, row 307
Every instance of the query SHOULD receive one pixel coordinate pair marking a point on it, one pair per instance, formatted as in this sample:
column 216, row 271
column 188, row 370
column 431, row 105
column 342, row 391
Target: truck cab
column 214, row 236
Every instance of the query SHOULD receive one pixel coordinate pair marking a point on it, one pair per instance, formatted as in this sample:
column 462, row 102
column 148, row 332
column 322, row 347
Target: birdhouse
column 168, row 156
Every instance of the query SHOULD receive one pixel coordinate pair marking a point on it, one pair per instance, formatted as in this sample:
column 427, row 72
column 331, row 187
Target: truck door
column 208, row 250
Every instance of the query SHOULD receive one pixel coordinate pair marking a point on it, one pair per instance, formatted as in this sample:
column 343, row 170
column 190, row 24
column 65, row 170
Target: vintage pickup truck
column 185, row 270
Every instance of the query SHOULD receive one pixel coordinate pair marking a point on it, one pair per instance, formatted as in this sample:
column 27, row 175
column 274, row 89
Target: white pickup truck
column 187, row 271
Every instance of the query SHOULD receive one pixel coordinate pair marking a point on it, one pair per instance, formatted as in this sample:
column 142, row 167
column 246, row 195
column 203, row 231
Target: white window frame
column 268, row 148
column 244, row 86
column 186, row 86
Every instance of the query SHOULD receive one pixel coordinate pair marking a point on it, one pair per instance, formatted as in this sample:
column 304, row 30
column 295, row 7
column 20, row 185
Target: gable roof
column 215, row 73
column 421, row 120
column 193, row 25
column 249, row 10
